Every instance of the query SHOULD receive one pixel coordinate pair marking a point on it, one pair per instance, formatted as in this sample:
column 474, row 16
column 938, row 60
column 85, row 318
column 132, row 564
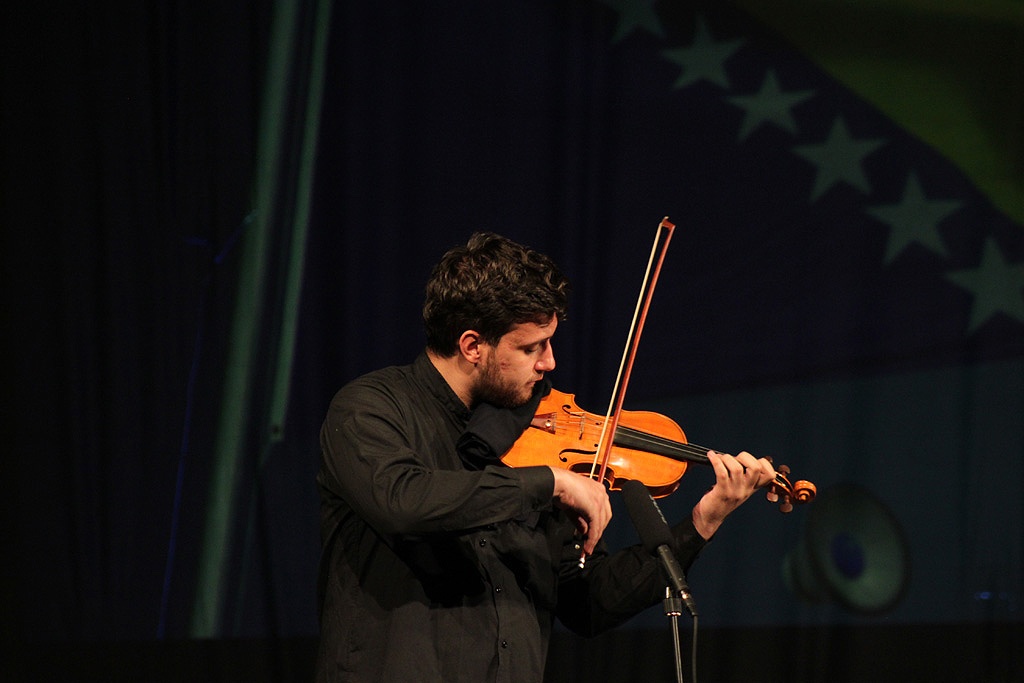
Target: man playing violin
column 439, row 562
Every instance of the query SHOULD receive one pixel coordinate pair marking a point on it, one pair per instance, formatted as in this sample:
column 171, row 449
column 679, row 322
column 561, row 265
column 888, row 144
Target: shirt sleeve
column 370, row 461
column 612, row 588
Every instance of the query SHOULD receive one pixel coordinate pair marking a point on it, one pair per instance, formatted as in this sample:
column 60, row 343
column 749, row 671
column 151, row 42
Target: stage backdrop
column 216, row 218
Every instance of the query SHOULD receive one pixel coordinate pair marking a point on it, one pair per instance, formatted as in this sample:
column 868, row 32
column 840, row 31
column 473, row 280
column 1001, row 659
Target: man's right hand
column 587, row 500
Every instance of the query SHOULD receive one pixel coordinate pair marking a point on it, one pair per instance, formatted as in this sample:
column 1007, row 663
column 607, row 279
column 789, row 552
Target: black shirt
column 431, row 571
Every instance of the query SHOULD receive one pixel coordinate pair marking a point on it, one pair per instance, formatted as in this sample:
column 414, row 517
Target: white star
column 634, row 13
column 914, row 219
column 705, row 58
column 997, row 286
column 838, row 159
column 770, row 105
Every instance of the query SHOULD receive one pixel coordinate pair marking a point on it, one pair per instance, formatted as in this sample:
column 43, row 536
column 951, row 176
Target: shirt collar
column 425, row 372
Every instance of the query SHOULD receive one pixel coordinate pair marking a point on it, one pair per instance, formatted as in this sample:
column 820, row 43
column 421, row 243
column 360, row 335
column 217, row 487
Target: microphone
column 656, row 536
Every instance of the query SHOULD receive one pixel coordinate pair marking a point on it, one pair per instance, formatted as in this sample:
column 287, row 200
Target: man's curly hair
column 490, row 285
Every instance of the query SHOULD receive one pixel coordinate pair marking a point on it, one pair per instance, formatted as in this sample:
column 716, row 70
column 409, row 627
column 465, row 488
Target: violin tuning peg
column 772, row 495
column 786, row 505
column 784, row 469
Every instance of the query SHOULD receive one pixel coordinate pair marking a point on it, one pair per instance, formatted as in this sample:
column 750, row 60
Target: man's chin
column 512, row 401
column 523, row 400
column 517, row 402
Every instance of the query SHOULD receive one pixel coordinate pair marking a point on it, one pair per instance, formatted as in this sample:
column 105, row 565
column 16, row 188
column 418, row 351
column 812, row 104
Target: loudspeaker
column 852, row 552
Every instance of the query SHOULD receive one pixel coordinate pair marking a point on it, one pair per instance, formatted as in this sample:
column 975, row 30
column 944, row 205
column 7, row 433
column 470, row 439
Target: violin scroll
column 787, row 495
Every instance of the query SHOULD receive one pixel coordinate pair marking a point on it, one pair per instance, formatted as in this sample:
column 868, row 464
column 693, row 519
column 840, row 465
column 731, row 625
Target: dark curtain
column 802, row 314
column 129, row 135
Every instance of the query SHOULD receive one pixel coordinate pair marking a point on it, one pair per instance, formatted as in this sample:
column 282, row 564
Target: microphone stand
column 674, row 602
column 657, row 540
column 673, row 609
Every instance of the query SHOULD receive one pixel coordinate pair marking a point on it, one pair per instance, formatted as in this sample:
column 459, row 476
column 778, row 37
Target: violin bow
column 599, row 466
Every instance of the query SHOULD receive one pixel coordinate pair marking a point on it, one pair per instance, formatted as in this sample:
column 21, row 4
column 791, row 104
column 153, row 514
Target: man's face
column 511, row 368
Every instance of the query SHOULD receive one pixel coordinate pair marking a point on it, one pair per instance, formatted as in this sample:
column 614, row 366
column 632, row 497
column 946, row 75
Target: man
column 441, row 564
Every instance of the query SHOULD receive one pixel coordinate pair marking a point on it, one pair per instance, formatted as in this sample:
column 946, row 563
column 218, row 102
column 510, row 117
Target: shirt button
column 483, row 542
column 497, row 589
column 504, row 643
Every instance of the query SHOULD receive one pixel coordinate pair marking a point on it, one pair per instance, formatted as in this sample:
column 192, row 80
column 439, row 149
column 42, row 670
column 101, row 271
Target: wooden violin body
column 646, row 447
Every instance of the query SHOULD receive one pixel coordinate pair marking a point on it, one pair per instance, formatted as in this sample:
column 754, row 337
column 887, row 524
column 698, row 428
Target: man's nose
column 547, row 360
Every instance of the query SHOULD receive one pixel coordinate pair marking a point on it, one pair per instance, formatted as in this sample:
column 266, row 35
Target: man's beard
column 496, row 390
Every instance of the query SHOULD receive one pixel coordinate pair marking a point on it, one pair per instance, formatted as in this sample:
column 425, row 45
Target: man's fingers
column 743, row 468
column 589, row 502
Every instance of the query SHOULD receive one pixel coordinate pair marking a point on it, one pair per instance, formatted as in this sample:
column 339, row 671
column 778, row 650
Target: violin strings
column 657, row 444
column 660, row 445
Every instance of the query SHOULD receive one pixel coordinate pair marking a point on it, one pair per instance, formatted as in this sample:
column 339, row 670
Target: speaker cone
column 853, row 552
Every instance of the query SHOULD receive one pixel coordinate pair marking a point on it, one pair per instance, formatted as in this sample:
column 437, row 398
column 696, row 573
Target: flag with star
column 862, row 246
column 848, row 281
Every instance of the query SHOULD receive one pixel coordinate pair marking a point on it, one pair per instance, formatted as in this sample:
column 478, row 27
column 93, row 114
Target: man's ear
column 469, row 346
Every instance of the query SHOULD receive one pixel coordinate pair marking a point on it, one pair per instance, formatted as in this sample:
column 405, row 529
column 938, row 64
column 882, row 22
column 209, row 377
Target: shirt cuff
column 538, row 486
column 689, row 542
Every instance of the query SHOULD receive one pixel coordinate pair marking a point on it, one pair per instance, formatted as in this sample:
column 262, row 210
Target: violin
column 627, row 445
column 645, row 446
